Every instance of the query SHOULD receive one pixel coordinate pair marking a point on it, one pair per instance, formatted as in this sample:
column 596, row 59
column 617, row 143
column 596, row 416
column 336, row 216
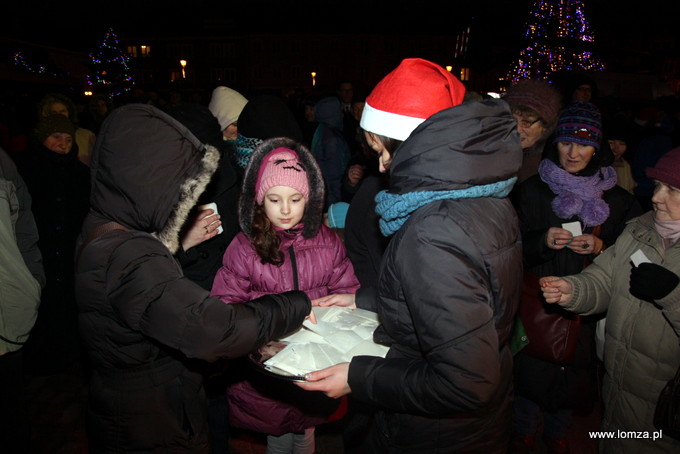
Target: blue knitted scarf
column 395, row 209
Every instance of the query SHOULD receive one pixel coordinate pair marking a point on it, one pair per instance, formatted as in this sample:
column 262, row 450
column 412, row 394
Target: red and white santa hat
column 411, row 93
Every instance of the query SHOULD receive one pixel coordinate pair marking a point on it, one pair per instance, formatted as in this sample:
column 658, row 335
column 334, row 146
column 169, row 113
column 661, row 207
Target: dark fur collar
column 314, row 208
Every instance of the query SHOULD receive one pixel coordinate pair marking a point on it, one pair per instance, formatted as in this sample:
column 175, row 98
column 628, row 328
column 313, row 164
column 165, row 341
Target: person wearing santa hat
column 450, row 278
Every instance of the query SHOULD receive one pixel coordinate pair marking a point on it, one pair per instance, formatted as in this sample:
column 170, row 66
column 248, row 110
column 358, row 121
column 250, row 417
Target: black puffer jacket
column 448, row 291
column 140, row 318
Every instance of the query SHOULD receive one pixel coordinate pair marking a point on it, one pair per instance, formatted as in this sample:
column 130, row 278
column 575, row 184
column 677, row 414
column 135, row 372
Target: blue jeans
column 528, row 419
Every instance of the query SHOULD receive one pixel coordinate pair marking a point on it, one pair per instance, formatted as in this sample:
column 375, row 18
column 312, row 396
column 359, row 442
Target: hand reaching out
column 338, row 299
column 555, row 289
column 331, row 381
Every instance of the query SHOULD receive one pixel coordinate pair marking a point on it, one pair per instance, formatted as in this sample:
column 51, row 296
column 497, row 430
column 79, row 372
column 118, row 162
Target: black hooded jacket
column 141, row 319
column 449, row 287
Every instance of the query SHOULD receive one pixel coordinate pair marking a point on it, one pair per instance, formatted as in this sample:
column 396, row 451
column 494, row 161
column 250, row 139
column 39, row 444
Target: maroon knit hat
column 667, row 169
column 537, row 95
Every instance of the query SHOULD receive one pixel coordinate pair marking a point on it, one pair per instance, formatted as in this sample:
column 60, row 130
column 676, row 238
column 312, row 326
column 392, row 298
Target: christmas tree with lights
column 110, row 73
column 558, row 38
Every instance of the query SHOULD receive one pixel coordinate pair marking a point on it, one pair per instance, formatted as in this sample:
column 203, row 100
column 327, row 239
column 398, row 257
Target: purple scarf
column 577, row 195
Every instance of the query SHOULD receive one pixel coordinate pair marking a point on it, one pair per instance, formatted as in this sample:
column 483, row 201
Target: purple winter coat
column 322, row 264
column 323, row 269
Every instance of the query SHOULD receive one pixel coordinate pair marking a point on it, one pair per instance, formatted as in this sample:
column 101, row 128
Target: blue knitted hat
column 580, row 122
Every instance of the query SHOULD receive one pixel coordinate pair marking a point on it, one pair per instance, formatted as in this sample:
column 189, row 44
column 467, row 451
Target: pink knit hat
column 414, row 91
column 281, row 167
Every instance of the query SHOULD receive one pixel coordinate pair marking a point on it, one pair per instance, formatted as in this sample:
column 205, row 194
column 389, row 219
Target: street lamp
column 183, row 63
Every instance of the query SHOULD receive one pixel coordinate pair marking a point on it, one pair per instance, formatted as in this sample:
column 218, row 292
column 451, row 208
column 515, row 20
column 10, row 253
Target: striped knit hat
column 580, row 122
column 414, row 91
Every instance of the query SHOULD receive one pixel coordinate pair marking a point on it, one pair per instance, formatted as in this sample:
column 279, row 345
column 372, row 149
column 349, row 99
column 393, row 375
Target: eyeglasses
column 526, row 124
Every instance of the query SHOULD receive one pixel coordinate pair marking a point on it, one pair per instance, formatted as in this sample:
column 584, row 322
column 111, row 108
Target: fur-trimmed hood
column 314, row 207
column 148, row 171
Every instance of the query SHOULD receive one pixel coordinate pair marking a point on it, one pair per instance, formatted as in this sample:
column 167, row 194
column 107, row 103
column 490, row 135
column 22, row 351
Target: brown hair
column 264, row 239
column 389, row 143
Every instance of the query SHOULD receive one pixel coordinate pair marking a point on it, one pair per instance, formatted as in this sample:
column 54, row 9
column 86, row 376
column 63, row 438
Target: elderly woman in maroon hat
column 636, row 282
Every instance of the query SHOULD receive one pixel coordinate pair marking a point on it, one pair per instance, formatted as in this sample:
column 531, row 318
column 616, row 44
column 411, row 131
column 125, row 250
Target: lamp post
column 183, row 63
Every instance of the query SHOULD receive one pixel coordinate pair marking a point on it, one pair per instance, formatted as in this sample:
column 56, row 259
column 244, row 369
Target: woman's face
column 284, row 206
column 230, row 132
column 618, row 148
column 666, row 201
column 59, row 142
column 530, row 129
column 573, row 156
column 583, row 92
column 58, row 108
column 384, row 157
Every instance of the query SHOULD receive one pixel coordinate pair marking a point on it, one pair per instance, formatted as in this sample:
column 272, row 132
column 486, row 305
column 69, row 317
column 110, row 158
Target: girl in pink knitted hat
column 283, row 246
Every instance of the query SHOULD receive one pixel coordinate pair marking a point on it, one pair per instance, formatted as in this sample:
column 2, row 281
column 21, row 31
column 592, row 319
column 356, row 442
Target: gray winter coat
column 448, row 291
column 642, row 346
column 141, row 319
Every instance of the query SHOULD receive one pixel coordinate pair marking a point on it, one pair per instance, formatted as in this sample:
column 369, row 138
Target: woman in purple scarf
column 569, row 213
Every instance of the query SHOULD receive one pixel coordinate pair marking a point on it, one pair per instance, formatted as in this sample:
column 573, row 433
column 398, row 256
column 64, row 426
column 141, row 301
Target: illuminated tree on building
column 110, row 73
column 558, row 38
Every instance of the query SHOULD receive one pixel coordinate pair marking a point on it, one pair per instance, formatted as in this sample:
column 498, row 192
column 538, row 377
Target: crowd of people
column 161, row 242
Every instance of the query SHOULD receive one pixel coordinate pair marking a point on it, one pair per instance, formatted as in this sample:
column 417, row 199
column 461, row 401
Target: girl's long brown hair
column 264, row 239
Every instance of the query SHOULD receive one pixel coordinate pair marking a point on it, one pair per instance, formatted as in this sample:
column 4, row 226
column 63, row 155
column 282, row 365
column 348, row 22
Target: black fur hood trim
column 314, row 207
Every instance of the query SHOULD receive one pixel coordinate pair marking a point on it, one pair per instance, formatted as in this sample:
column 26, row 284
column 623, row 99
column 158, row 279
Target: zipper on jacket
column 293, row 264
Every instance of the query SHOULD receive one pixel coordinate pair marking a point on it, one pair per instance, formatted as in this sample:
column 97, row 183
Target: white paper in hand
column 573, row 227
column 639, row 257
column 212, row 206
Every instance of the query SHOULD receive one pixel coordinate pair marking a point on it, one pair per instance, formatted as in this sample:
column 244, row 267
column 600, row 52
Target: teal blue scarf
column 395, row 209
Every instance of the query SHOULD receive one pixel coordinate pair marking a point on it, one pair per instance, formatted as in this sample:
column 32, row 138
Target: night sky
column 80, row 25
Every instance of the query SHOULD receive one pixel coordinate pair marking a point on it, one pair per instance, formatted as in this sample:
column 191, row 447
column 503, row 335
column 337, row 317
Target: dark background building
column 265, row 45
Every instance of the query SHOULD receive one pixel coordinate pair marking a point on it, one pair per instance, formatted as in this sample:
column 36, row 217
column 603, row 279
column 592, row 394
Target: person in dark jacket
column 201, row 261
column 330, row 147
column 59, row 185
column 142, row 320
column 575, row 183
column 450, row 279
column 204, row 238
column 21, row 280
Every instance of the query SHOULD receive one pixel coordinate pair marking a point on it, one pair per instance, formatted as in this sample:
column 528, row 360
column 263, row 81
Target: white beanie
column 414, row 91
column 226, row 104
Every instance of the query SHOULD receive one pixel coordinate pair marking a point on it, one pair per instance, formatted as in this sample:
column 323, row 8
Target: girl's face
column 384, row 157
column 666, row 201
column 574, row 157
column 284, row 206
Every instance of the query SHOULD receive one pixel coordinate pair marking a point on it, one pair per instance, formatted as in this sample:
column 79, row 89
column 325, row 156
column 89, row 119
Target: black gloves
column 650, row 281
